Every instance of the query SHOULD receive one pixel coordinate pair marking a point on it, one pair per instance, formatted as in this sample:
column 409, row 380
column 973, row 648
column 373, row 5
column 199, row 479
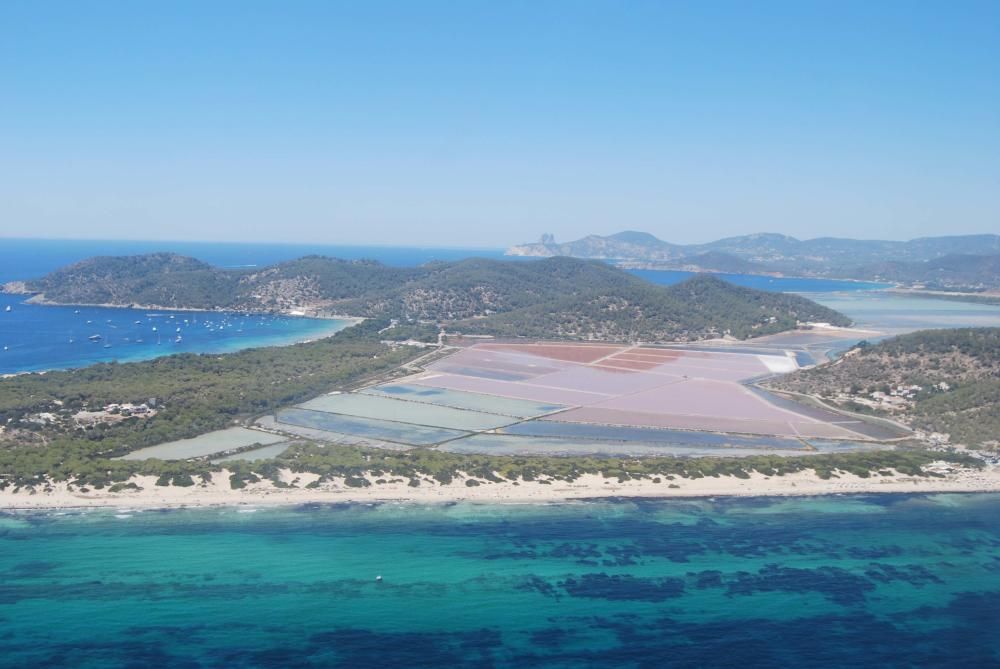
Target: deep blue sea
column 854, row 582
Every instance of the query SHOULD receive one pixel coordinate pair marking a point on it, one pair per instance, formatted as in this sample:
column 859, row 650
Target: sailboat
column 8, row 308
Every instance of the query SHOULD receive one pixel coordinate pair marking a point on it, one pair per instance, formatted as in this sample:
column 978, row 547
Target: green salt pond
column 205, row 444
column 387, row 408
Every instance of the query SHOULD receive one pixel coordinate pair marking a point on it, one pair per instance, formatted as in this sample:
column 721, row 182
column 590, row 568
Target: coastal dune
column 218, row 492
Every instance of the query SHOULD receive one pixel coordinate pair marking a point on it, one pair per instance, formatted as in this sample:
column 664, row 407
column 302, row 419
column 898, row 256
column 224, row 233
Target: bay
column 36, row 337
column 41, row 337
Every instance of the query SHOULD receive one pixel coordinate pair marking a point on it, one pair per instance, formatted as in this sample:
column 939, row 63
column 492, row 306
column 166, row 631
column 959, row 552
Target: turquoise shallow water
column 861, row 581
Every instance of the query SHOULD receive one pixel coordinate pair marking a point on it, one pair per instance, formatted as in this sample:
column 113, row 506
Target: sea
column 880, row 581
column 38, row 338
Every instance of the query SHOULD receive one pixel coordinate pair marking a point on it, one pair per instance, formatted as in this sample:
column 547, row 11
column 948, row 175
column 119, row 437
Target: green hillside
column 957, row 372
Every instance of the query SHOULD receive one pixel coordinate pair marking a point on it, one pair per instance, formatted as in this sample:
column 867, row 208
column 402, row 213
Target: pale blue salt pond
column 503, row 444
column 405, row 433
column 613, row 433
column 465, row 400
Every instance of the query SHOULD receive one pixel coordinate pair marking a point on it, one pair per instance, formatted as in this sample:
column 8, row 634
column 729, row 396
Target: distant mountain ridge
column 771, row 253
column 552, row 297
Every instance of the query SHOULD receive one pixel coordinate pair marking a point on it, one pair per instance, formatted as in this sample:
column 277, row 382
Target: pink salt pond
column 635, row 386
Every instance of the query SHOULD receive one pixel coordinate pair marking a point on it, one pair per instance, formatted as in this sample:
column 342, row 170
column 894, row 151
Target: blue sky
column 485, row 124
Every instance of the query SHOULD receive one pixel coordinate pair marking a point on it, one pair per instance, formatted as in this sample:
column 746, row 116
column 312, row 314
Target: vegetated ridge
column 938, row 381
column 960, row 271
column 553, row 297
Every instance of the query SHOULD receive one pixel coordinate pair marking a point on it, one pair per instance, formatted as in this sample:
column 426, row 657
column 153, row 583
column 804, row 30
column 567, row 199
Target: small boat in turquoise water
column 95, row 337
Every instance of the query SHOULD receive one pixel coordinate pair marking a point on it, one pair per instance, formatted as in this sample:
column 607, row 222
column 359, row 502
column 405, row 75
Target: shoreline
column 217, row 492
column 627, row 264
column 289, row 342
column 39, row 299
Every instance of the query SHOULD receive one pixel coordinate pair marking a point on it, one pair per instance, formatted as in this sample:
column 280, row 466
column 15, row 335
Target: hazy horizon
column 471, row 247
column 481, row 125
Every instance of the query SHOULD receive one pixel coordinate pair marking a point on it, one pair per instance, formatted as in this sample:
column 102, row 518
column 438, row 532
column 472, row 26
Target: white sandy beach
column 218, row 492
